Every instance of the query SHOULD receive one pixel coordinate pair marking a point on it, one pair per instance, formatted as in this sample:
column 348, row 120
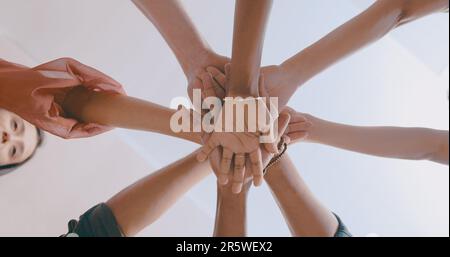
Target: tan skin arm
column 231, row 208
column 231, row 212
column 248, row 39
column 364, row 29
column 116, row 110
column 191, row 50
column 391, row 142
column 174, row 24
column 303, row 213
column 142, row 203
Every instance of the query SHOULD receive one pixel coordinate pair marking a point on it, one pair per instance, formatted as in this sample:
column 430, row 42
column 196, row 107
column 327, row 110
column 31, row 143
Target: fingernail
column 236, row 188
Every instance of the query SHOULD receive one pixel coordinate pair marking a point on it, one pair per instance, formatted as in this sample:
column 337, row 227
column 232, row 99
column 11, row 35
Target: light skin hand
column 122, row 111
column 196, row 76
column 231, row 207
column 275, row 82
column 299, row 127
column 241, row 148
column 369, row 26
column 239, row 174
column 389, row 142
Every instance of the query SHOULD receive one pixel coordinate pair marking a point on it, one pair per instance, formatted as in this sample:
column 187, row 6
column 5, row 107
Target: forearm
column 231, row 213
column 304, row 214
column 391, row 142
column 174, row 24
column 143, row 203
column 248, row 39
column 122, row 111
column 367, row 27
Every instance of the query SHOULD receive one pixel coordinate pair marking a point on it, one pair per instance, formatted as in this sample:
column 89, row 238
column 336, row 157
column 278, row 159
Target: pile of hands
column 238, row 159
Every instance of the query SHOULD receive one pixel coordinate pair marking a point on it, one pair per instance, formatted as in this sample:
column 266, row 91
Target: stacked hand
column 197, row 76
column 239, row 156
column 275, row 83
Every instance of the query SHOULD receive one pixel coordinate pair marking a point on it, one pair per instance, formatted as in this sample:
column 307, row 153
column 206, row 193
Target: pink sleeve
column 36, row 94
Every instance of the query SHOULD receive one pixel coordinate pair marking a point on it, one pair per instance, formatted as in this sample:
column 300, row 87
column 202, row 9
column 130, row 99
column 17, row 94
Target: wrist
column 197, row 60
column 315, row 132
column 294, row 75
column 225, row 193
column 242, row 90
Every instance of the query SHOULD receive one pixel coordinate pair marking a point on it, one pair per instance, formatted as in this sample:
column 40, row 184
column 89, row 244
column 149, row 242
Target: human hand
column 242, row 149
column 275, row 85
column 299, row 126
column 196, row 76
column 242, row 177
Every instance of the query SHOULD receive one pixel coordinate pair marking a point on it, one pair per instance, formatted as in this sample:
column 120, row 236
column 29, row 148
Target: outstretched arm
column 369, row 26
column 303, row 213
column 192, row 51
column 142, row 203
column 122, row 111
column 249, row 30
column 391, row 142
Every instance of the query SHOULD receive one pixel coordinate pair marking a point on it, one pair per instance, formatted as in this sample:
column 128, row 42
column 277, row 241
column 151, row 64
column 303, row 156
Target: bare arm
column 304, row 214
column 142, row 203
column 249, row 30
column 231, row 212
column 122, row 111
column 174, row 24
column 192, row 51
column 364, row 29
column 391, row 142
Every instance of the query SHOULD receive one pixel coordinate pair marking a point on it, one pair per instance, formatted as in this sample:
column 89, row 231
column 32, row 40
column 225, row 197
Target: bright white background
column 401, row 80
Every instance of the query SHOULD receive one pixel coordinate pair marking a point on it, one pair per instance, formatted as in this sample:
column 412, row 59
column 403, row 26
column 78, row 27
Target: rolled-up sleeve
column 36, row 94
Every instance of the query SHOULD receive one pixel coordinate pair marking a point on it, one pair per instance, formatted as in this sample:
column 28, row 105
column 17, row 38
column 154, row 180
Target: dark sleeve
column 99, row 221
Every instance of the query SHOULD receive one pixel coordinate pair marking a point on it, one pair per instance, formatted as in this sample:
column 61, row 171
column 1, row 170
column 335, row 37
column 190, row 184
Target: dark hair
column 5, row 169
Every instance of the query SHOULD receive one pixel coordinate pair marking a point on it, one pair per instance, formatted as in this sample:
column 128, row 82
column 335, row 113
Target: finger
column 208, row 85
column 239, row 173
column 299, row 127
column 287, row 139
column 225, row 166
column 271, row 147
column 206, row 150
column 217, row 75
column 297, row 118
column 269, row 132
column 257, row 167
column 297, row 136
column 289, row 110
column 218, row 90
column 283, row 123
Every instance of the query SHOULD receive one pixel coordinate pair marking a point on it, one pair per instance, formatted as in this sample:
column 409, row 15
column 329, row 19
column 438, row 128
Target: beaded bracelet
column 277, row 158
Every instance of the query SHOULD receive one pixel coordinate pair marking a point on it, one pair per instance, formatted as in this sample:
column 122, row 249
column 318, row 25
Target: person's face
column 18, row 138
